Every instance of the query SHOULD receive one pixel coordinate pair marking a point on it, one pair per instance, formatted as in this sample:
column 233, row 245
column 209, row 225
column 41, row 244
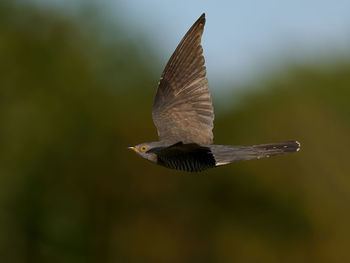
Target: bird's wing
column 183, row 109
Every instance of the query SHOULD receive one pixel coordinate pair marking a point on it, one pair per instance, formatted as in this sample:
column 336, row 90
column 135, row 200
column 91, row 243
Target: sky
column 241, row 38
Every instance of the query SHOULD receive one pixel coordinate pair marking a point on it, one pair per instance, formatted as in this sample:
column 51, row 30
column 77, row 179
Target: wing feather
column 183, row 109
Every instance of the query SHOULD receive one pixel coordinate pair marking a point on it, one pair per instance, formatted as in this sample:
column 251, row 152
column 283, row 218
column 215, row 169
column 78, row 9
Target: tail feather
column 225, row 154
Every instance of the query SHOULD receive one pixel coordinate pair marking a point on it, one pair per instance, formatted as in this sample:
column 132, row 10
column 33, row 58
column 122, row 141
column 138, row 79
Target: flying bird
column 183, row 114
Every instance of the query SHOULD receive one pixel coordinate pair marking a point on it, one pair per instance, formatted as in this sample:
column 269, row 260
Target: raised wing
column 183, row 109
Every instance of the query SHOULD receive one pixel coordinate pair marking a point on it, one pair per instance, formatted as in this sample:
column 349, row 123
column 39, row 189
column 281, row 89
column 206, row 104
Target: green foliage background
column 72, row 100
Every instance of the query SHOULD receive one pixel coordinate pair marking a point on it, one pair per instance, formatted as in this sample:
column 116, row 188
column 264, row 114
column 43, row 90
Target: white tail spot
column 221, row 163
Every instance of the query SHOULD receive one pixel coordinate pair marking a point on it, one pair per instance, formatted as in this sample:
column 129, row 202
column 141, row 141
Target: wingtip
column 201, row 19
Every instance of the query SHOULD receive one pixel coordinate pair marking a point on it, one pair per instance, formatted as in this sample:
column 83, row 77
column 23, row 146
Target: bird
column 183, row 114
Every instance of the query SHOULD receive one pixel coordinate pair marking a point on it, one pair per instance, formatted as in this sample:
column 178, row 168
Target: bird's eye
column 143, row 148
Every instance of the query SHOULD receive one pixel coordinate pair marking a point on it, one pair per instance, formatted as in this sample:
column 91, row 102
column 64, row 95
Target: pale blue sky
column 241, row 38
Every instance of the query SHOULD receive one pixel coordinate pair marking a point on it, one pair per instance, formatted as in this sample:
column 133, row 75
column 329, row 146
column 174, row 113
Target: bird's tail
column 225, row 154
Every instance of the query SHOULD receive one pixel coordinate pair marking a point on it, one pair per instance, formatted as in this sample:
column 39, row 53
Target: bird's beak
column 133, row 148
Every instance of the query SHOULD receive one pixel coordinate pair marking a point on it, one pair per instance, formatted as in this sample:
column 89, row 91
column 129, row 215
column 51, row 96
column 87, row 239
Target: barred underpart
column 187, row 157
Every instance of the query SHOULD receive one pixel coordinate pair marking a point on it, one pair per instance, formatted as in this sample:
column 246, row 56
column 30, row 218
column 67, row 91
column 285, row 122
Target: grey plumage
column 183, row 109
column 225, row 154
column 184, row 115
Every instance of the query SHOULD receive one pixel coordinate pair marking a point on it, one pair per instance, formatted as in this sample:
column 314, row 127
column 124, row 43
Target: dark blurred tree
column 61, row 108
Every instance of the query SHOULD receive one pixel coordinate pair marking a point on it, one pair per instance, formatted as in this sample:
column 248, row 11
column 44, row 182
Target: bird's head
column 147, row 150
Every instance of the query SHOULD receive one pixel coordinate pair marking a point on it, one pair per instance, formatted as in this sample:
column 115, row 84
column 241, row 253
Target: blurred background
column 77, row 81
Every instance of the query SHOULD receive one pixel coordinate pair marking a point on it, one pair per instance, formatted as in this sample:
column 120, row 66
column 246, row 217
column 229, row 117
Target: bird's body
column 184, row 115
column 193, row 157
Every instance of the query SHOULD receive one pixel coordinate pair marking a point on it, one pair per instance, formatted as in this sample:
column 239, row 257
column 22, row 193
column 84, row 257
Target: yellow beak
column 133, row 148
